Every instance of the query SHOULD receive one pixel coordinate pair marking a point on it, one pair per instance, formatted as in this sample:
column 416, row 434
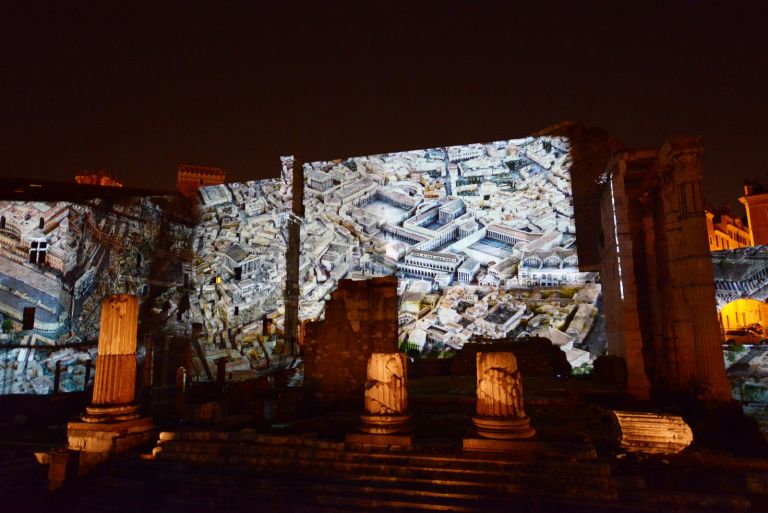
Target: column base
column 97, row 440
column 97, row 414
column 384, row 424
column 504, row 428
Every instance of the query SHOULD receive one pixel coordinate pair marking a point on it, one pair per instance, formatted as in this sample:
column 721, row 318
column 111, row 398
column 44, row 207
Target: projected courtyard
column 481, row 237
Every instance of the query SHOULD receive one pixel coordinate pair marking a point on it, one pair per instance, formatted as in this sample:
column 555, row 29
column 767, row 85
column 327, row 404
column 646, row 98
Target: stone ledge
column 523, row 448
column 109, row 437
column 398, row 442
column 127, row 426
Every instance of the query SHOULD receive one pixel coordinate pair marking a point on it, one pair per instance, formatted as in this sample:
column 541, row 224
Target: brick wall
column 360, row 319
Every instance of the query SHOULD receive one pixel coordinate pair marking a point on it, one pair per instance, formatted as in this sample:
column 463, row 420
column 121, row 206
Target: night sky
column 139, row 87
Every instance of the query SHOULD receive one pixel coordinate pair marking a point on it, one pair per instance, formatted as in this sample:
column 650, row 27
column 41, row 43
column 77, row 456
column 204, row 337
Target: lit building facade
column 726, row 232
column 190, row 178
column 755, row 201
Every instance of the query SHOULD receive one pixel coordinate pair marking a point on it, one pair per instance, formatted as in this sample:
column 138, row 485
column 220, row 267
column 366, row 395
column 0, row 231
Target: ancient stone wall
column 360, row 319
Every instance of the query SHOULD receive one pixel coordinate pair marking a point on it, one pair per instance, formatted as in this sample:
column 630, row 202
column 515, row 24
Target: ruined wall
column 360, row 319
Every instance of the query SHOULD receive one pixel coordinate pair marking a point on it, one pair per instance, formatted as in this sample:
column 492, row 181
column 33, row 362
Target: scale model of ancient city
column 481, row 237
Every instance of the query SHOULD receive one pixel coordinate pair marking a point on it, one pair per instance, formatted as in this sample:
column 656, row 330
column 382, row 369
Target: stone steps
column 190, row 489
column 457, row 468
column 187, row 488
column 201, row 472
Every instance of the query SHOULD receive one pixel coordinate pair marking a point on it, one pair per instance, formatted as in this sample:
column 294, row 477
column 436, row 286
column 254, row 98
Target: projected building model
column 481, row 237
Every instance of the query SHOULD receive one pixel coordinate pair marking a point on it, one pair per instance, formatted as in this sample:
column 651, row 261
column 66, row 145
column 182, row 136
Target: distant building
column 215, row 195
column 755, row 201
column 191, row 177
column 100, row 177
column 726, row 232
column 240, row 263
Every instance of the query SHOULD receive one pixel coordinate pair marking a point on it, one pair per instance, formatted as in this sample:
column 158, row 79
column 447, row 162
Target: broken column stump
column 501, row 422
column 647, row 432
column 112, row 423
column 386, row 419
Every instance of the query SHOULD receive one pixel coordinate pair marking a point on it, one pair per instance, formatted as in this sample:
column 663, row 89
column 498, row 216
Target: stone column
column 112, row 423
column 500, row 410
column 647, row 432
column 386, row 396
column 695, row 328
column 114, row 387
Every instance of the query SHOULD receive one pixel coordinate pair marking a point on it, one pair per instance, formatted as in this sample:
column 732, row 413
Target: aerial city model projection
column 57, row 262
column 482, row 238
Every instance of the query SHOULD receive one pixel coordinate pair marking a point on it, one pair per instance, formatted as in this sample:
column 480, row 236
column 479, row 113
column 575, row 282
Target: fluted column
column 696, row 327
column 647, row 432
column 114, row 387
column 500, row 408
column 386, row 395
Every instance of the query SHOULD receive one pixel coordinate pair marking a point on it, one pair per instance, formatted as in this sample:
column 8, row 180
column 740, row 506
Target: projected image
column 57, row 261
column 482, row 238
column 741, row 288
column 238, row 280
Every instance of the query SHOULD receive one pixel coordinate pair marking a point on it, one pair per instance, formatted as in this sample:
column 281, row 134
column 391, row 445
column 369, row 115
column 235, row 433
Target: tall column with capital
column 695, row 325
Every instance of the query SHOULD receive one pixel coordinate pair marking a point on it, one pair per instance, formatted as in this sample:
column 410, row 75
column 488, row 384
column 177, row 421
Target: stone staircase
column 202, row 471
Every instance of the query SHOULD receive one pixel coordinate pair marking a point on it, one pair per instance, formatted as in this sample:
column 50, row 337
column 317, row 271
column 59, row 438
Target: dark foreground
column 304, row 466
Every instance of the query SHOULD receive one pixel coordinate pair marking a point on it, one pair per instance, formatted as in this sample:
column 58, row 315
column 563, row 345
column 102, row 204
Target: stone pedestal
column 386, row 420
column 501, row 421
column 57, row 468
column 112, row 423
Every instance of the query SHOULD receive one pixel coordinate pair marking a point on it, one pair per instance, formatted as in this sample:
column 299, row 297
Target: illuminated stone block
column 647, row 432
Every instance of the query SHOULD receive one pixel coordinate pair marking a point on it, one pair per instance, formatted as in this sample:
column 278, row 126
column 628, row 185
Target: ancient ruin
column 657, row 273
column 386, row 419
column 112, row 423
column 386, row 394
column 276, row 323
column 500, row 407
column 648, row 432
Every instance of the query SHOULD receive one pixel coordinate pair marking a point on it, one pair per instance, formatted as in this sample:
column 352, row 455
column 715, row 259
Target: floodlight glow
column 616, row 240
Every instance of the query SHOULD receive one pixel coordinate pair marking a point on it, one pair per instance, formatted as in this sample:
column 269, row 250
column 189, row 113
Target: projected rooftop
column 481, row 237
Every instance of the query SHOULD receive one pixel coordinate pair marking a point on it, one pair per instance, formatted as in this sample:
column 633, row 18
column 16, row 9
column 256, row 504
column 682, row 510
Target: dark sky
column 139, row 87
